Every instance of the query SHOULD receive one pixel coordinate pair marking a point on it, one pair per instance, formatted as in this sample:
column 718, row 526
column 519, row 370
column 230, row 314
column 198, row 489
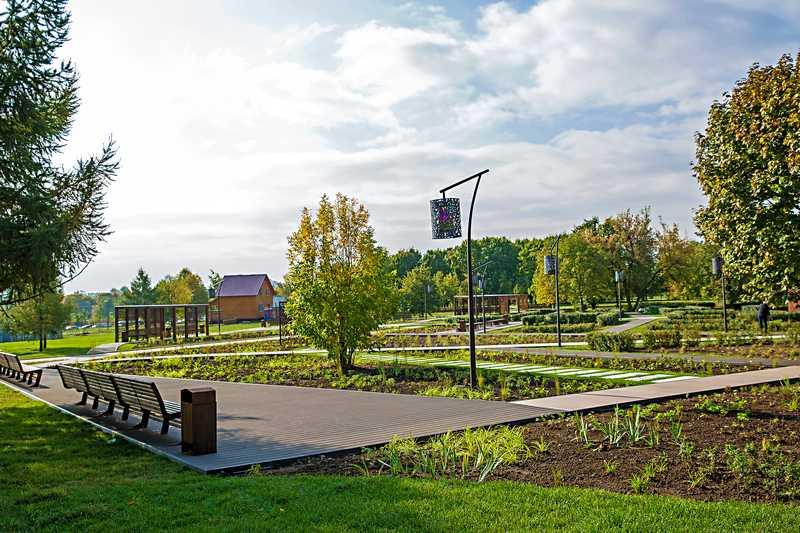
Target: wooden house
column 242, row 297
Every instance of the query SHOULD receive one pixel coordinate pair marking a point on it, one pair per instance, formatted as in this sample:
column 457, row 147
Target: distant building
column 242, row 297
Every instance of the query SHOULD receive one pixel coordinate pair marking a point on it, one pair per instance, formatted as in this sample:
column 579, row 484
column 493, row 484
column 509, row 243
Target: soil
column 567, row 461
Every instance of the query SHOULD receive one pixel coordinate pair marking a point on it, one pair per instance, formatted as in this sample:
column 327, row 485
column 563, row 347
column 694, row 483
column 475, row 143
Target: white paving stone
column 649, row 377
column 623, row 375
column 679, row 378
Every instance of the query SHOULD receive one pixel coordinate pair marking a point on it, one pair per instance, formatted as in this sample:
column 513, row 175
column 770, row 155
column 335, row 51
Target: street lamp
column 447, row 226
column 551, row 268
column 426, row 291
column 619, row 275
column 482, row 286
column 717, row 269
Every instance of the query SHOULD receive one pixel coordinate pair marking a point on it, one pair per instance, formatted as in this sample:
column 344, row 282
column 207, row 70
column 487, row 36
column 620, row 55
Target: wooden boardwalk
column 264, row 424
column 605, row 399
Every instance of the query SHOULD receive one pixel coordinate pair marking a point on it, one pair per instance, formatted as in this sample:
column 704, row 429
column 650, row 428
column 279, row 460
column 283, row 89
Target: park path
column 636, row 321
column 527, row 368
column 606, row 399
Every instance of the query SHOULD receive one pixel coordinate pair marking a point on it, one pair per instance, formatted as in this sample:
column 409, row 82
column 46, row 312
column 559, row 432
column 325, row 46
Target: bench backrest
column 72, row 378
column 102, row 386
column 3, row 361
column 142, row 394
column 13, row 362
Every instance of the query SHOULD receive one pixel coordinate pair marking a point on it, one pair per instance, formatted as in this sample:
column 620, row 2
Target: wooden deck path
column 605, row 399
column 263, row 424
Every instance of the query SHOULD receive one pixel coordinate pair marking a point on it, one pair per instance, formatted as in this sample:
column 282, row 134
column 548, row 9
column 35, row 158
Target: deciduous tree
column 748, row 165
column 341, row 283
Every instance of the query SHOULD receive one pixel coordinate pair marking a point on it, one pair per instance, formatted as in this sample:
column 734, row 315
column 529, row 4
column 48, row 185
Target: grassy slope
column 69, row 345
column 58, row 474
column 75, row 344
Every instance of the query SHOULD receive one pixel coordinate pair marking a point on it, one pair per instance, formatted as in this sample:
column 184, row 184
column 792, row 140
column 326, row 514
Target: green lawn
column 71, row 344
column 58, row 474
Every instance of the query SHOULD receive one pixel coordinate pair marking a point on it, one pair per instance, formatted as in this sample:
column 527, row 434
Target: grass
column 78, row 343
column 58, row 474
column 71, row 344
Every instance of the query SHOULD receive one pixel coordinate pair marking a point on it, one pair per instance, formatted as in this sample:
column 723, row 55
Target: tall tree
column 51, row 218
column 404, row 261
column 583, row 271
column 414, row 291
column 40, row 316
column 342, row 286
column 748, row 165
column 141, row 291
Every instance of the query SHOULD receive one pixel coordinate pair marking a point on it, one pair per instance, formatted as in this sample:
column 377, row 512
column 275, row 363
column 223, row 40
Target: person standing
column 763, row 317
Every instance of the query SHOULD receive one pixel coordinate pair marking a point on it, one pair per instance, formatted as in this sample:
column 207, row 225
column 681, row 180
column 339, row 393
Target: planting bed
column 312, row 371
column 741, row 445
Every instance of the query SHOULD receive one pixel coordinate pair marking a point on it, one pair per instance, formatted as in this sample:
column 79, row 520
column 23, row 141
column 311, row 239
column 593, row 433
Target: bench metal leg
column 109, row 410
column 126, row 409
column 145, row 420
column 84, row 397
column 165, row 426
column 96, row 402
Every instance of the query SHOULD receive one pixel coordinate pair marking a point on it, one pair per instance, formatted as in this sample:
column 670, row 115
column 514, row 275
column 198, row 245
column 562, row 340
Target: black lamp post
column 551, row 268
column 619, row 275
column 717, row 269
column 473, row 369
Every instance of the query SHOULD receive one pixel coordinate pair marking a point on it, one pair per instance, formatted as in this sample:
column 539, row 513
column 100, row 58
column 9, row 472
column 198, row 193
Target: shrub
column 661, row 339
column 610, row 342
column 573, row 317
column 608, row 319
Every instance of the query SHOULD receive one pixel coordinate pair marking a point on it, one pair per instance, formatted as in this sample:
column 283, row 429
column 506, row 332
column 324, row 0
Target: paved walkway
column 110, row 347
column 636, row 321
column 587, row 401
column 544, row 370
column 265, row 424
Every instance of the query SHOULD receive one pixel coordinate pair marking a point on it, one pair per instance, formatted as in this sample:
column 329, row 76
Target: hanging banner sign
column 446, row 218
column 549, row 265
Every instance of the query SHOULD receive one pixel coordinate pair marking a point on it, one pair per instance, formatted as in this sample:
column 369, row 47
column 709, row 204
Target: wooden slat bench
column 72, row 378
column 130, row 394
column 19, row 370
column 144, row 397
column 102, row 386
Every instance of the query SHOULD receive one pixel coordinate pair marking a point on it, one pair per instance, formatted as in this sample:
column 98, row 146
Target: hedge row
column 610, row 342
column 573, row 317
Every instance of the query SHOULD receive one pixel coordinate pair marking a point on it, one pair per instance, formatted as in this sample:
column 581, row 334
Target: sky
column 231, row 116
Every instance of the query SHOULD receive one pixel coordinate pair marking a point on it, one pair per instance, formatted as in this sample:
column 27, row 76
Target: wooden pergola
column 495, row 303
column 159, row 321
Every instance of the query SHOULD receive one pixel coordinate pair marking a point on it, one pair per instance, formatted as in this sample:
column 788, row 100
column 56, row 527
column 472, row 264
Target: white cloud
column 228, row 125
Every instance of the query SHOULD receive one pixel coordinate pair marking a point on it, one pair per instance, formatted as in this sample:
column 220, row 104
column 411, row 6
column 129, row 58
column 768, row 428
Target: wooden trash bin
column 198, row 421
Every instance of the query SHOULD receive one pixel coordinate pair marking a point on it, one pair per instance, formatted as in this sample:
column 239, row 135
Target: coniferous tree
column 51, row 218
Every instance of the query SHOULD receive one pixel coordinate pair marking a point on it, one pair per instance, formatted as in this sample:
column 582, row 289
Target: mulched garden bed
column 742, row 445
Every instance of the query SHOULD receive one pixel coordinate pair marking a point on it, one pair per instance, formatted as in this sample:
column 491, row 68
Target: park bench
column 16, row 369
column 102, row 387
column 143, row 396
column 72, row 378
column 130, row 394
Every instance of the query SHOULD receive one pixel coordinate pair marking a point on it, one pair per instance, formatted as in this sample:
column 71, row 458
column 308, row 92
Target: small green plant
column 686, row 449
column 654, row 434
column 676, row 431
column 541, row 445
column 557, row 476
column 639, row 483
column 613, row 431
column 582, row 430
column 634, row 425
column 697, row 478
column 610, row 466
